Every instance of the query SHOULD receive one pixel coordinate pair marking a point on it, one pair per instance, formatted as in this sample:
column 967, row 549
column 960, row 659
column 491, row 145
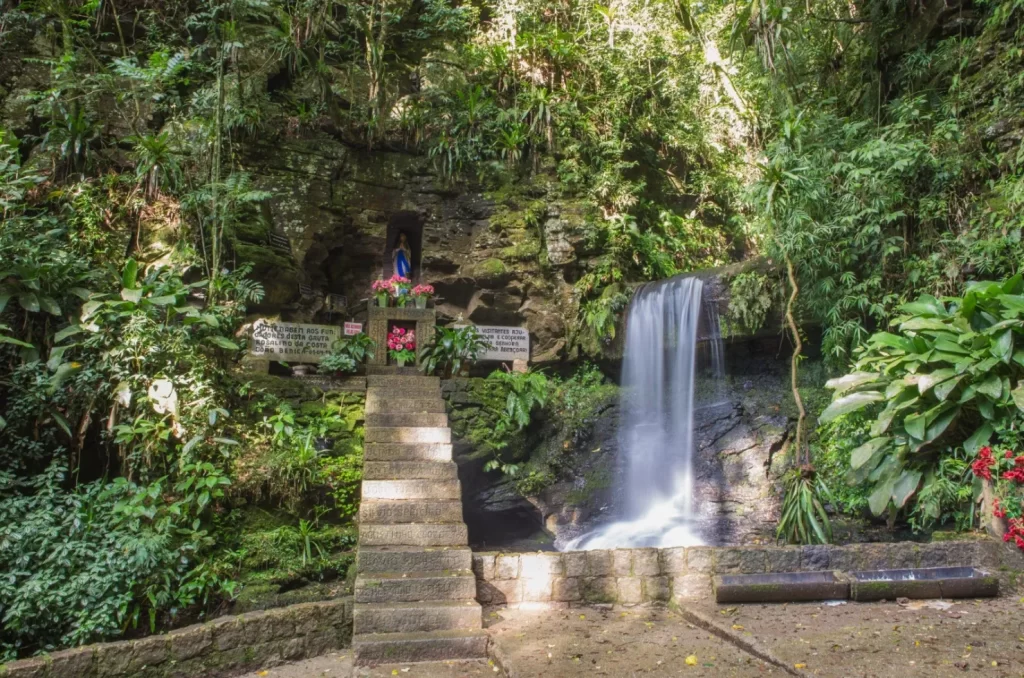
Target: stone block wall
column 635, row 576
column 223, row 647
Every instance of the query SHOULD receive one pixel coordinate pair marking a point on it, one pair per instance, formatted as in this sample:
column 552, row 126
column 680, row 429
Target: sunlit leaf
column 850, row 403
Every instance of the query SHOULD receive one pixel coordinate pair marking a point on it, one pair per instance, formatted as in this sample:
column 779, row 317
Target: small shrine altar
column 382, row 319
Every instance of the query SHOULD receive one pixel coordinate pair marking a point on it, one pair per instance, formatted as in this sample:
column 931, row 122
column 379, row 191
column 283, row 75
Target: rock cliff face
column 503, row 258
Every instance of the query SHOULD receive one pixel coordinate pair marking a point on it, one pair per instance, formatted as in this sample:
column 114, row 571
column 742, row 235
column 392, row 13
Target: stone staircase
column 415, row 593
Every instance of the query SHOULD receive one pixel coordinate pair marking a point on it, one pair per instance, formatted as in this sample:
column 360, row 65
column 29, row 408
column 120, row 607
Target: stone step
column 414, row 534
column 374, row 648
column 377, row 404
column 408, row 434
column 410, row 470
column 411, row 489
column 401, row 381
column 420, row 616
column 406, row 420
column 405, row 511
column 412, row 559
column 399, row 393
column 394, row 370
column 410, row 587
column 407, row 452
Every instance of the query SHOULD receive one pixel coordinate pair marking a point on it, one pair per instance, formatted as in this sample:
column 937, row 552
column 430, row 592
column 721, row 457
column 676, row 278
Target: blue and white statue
column 402, row 258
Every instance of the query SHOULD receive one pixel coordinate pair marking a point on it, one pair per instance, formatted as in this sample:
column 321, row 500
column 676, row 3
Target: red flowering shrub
column 1009, row 489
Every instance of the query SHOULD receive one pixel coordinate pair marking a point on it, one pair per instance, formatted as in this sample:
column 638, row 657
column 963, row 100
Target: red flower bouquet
column 402, row 345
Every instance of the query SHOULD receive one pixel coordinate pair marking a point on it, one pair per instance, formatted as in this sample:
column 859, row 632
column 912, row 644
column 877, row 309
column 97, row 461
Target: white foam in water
column 656, row 429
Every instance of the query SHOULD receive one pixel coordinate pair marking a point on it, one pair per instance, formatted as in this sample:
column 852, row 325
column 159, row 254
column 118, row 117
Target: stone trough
column 779, row 587
column 925, row 582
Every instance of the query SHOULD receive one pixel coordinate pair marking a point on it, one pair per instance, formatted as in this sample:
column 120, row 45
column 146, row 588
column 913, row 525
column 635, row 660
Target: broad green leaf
column 895, row 388
column 1002, row 348
column 62, row 372
column 853, row 380
column 223, row 342
column 49, row 305
column 4, row 339
column 132, row 295
column 878, row 501
column 163, row 301
column 89, row 308
column 1018, row 396
column 130, row 274
column 1013, row 284
column 915, row 425
column 68, row 331
column 943, row 390
column 926, row 381
column 991, row 387
column 978, row 439
column 29, row 301
column 947, row 346
column 850, row 403
column 940, row 423
column 4, row 298
column 970, row 301
column 56, row 356
column 985, row 406
column 903, row 488
column 918, row 324
column 926, row 304
column 862, row 454
column 80, row 292
column 892, row 341
column 883, row 421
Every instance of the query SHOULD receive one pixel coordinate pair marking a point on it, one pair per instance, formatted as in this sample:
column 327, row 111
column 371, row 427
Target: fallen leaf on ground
column 691, row 660
column 737, row 627
column 800, row 666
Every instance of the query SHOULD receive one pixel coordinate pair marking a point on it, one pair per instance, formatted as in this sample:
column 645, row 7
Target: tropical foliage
column 949, row 378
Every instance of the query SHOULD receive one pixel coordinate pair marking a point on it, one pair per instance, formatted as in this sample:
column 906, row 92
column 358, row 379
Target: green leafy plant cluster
column 453, row 350
column 750, row 300
column 347, row 354
column 949, row 378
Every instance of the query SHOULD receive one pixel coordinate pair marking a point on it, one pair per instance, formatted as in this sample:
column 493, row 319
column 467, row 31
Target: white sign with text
column 507, row 343
column 292, row 342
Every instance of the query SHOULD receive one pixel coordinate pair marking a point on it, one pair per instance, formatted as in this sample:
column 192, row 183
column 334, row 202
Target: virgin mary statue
column 402, row 257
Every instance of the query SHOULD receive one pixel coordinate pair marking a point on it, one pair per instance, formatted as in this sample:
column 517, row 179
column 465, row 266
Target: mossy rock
column 490, row 273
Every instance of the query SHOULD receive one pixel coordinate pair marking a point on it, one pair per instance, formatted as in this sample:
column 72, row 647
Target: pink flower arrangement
column 423, row 291
column 400, row 338
column 381, row 286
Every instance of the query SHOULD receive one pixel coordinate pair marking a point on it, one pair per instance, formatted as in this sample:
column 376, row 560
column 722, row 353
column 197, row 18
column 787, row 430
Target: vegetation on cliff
column 872, row 148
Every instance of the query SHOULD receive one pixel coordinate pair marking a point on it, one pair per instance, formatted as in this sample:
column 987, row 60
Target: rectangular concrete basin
column 924, row 582
column 780, row 587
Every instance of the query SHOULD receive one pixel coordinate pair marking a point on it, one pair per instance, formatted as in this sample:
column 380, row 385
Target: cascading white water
column 656, row 425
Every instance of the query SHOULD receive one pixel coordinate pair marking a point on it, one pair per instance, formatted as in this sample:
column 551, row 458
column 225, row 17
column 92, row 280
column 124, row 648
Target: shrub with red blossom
column 1006, row 473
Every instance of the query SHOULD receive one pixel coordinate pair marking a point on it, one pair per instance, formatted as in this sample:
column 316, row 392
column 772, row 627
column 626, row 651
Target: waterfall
column 659, row 375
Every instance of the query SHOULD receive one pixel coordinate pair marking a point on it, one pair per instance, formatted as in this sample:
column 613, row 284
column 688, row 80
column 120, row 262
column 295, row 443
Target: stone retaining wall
column 225, row 646
column 634, row 576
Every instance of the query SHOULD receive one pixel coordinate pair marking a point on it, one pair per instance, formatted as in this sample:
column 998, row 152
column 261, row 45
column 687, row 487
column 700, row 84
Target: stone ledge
column 646, row 575
column 222, row 647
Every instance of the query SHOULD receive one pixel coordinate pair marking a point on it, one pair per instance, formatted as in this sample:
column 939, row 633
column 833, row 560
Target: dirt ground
column 916, row 638
column 620, row 643
column 927, row 639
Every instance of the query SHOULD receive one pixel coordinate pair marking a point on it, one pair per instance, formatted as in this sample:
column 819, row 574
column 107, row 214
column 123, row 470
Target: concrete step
column 377, row 404
column 411, row 489
column 420, row 616
column 401, row 381
column 414, row 534
column 407, row 452
column 407, row 419
column 405, row 511
column 408, row 434
column 410, row 470
column 410, row 587
column 373, row 648
column 412, row 559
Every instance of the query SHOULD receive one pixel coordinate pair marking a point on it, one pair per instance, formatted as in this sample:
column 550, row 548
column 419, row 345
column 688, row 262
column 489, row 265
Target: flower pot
column 421, row 302
column 401, row 362
column 401, row 300
column 382, row 300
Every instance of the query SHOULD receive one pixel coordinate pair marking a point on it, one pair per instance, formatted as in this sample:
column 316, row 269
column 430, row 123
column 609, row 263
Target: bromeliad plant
column 951, row 376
